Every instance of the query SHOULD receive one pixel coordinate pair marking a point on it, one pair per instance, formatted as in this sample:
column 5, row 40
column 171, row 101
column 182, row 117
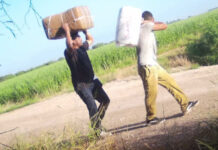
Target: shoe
column 99, row 133
column 154, row 121
column 190, row 106
column 104, row 134
column 100, row 130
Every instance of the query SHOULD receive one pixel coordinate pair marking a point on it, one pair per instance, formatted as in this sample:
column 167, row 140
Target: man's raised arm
column 159, row 26
column 69, row 40
column 89, row 37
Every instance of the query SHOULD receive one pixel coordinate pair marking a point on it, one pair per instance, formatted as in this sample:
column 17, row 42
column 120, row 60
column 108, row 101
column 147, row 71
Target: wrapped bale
column 128, row 26
column 78, row 18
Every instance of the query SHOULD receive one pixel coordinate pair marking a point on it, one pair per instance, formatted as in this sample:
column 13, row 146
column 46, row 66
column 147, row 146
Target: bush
column 205, row 50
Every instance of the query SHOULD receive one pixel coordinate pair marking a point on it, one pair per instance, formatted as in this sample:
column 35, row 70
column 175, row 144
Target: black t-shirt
column 81, row 69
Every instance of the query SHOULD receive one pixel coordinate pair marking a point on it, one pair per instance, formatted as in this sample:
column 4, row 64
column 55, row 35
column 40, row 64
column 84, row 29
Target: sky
column 31, row 47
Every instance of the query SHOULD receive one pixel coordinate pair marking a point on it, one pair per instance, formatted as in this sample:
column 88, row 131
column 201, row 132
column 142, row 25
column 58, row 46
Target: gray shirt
column 147, row 47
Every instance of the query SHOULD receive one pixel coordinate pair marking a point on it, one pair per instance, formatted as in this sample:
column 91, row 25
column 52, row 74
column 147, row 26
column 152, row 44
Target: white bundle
column 128, row 26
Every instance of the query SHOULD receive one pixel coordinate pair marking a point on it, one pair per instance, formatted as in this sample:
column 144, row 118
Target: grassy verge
column 67, row 140
column 12, row 106
column 192, row 136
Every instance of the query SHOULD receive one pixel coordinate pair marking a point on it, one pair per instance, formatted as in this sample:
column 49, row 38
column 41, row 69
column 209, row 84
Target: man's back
column 81, row 68
column 147, row 47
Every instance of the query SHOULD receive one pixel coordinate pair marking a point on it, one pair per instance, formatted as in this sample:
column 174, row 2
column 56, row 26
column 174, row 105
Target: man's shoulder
column 66, row 52
column 85, row 45
column 147, row 25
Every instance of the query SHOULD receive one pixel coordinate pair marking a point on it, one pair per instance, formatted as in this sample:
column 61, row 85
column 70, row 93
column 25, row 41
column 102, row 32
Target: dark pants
column 89, row 92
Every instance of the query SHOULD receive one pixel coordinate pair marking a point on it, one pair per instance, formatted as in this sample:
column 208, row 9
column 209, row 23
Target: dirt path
column 126, row 107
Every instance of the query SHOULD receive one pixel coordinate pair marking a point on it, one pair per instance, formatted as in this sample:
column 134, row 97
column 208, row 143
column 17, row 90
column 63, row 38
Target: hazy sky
column 31, row 48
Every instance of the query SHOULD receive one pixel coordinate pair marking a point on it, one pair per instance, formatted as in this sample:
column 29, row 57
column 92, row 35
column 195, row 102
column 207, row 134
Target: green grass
column 12, row 106
column 205, row 49
column 180, row 33
column 54, row 78
column 38, row 83
column 68, row 139
column 50, row 79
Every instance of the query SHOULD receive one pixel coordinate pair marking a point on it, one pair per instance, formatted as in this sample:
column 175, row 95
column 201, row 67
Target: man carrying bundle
column 152, row 73
column 86, row 85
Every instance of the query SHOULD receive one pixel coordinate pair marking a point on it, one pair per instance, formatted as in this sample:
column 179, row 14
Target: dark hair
column 147, row 15
column 73, row 53
column 74, row 35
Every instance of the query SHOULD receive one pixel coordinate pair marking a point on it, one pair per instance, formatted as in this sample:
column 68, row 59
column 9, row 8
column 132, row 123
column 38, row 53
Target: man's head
column 77, row 40
column 147, row 15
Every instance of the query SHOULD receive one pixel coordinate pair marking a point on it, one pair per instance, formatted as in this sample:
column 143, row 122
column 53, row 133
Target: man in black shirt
column 86, row 85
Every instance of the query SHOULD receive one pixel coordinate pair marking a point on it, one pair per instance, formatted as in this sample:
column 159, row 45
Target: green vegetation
column 200, row 136
column 40, row 82
column 53, row 78
column 208, row 135
column 6, row 77
column 49, row 79
column 98, row 45
column 9, row 76
column 181, row 33
column 69, row 140
column 109, row 56
column 205, row 50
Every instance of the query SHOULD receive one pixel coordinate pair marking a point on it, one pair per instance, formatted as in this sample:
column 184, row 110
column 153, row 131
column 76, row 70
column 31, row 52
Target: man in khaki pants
column 152, row 73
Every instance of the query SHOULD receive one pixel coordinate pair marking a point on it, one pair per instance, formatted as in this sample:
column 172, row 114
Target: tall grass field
column 53, row 78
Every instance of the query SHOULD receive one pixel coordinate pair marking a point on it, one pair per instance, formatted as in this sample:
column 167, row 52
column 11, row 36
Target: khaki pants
column 152, row 76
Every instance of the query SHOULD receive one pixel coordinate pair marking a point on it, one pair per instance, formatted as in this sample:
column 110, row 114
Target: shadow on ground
column 138, row 125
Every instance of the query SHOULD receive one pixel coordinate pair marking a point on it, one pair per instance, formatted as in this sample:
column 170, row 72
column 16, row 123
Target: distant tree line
column 101, row 44
column 170, row 22
column 212, row 9
column 98, row 45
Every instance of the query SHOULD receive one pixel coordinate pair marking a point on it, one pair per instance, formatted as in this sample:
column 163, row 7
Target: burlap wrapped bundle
column 78, row 18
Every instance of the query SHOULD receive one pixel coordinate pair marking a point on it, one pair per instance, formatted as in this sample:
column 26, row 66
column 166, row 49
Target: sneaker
column 154, row 121
column 189, row 107
column 100, row 130
column 104, row 134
